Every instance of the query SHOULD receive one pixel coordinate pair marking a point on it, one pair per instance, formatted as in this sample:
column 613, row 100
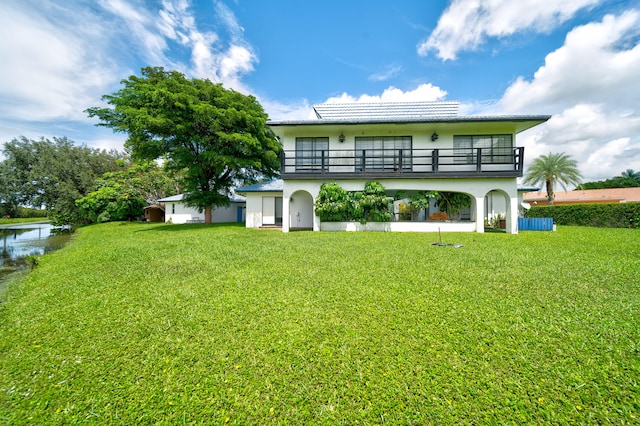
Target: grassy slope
column 195, row 324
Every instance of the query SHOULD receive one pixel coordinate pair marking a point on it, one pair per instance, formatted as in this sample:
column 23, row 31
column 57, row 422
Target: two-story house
column 408, row 147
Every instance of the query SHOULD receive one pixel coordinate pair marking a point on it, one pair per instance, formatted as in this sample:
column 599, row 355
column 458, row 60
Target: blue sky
column 578, row 60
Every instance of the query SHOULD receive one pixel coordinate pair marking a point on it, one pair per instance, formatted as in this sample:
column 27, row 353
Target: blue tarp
column 535, row 224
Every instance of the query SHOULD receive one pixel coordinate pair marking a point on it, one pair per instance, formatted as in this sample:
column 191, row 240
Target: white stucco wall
column 228, row 214
column 301, row 210
column 254, row 207
column 178, row 213
column 476, row 188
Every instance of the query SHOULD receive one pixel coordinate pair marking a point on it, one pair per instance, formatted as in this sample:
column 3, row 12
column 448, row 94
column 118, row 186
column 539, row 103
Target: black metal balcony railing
column 471, row 162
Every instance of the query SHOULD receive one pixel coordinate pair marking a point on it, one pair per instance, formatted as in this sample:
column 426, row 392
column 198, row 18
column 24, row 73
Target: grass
column 194, row 324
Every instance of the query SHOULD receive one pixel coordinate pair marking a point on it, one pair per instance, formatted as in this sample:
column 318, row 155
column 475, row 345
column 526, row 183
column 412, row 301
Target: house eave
column 406, row 175
column 520, row 122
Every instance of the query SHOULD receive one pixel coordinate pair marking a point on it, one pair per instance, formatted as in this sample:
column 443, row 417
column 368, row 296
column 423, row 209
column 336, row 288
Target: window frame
column 385, row 153
column 310, row 159
column 494, row 148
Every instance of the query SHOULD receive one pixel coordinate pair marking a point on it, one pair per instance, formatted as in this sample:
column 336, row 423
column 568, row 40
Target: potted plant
column 502, row 222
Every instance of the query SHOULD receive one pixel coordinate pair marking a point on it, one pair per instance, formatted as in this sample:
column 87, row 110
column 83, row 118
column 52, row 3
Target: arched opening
column 300, row 211
column 432, row 204
column 497, row 208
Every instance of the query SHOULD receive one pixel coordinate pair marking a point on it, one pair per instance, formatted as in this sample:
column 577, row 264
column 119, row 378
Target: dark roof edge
column 459, row 119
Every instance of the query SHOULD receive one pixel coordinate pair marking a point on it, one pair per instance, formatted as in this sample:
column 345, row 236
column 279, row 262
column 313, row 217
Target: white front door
column 272, row 210
column 268, row 210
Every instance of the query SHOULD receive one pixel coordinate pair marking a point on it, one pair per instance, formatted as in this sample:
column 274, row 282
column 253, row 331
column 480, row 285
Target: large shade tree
column 51, row 174
column 553, row 168
column 123, row 194
column 217, row 138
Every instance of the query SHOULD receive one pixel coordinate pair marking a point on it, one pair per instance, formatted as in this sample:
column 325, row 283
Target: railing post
column 362, row 160
column 322, row 162
column 282, row 162
column 479, row 160
column 400, row 161
column 434, row 160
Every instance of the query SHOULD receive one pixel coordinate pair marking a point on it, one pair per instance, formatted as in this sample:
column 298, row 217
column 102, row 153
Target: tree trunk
column 207, row 215
column 549, row 192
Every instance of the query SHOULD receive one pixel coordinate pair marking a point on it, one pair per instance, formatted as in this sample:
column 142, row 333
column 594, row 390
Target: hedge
column 609, row 215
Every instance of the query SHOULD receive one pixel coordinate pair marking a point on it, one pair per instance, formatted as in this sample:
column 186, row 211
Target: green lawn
column 195, row 324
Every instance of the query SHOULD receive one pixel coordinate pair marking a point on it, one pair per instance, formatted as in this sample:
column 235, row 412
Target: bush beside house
column 610, row 215
column 335, row 204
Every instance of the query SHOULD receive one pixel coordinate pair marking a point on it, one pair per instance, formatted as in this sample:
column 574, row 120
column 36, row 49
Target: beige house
column 609, row 195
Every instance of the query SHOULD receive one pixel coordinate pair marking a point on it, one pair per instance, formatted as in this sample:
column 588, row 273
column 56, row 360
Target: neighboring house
column 178, row 212
column 409, row 147
column 609, row 195
column 154, row 213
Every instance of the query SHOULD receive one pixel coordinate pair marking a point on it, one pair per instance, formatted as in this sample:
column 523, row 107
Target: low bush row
column 609, row 215
column 335, row 204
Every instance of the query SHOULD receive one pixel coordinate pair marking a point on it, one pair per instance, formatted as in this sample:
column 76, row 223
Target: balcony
column 398, row 163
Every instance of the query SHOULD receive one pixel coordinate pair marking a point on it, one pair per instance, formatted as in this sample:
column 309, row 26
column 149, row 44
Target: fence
column 535, row 224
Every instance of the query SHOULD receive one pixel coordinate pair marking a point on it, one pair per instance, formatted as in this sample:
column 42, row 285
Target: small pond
column 17, row 242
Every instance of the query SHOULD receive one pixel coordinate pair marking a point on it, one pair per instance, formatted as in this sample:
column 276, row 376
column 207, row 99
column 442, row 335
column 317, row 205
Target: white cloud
column 59, row 58
column 590, row 85
column 300, row 110
column 50, row 69
column 466, row 24
column 390, row 72
column 210, row 57
column 590, row 65
column 140, row 25
column 424, row 92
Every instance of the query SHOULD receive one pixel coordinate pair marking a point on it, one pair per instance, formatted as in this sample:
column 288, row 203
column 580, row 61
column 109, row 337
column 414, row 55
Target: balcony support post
column 434, row 160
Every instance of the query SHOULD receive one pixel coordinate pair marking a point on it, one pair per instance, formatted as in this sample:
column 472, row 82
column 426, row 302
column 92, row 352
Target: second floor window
column 311, row 153
column 391, row 153
column 496, row 149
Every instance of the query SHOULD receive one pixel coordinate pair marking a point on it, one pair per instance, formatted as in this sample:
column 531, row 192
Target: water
column 18, row 242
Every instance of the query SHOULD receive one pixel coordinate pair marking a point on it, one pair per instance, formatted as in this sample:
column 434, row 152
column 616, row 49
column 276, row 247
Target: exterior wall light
column 341, row 137
column 434, row 137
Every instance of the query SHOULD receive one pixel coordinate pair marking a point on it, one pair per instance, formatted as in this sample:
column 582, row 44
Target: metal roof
column 390, row 120
column 171, row 199
column 386, row 110
column 275, row 185
column 235, row 198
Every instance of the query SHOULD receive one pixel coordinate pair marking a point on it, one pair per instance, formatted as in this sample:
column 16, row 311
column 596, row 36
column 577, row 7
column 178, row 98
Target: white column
column 480, row 214
column 285, row 212
column 512, row 215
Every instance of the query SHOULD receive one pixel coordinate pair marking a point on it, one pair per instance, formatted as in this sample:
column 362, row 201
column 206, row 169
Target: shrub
column 452, row 202
column 332, row 204
column 609, row 215
column 375, row 204
column 335, row 204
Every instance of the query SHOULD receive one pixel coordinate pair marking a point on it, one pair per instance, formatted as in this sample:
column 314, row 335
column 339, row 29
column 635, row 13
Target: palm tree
column 630, row 178
column 553, row 168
